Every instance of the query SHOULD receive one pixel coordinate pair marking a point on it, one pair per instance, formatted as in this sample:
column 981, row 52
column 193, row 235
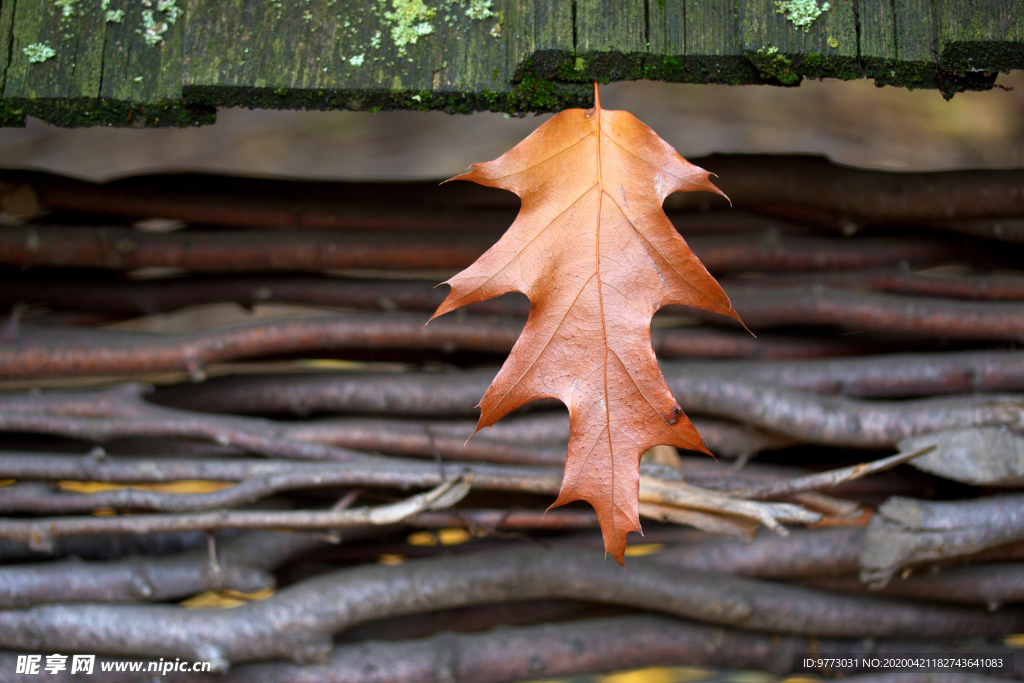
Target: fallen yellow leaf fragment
column 224, row 599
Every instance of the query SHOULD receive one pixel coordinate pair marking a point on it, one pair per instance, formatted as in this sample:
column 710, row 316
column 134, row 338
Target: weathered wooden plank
column 611, row 40
column 258, row 54
column 897, row 42
column 611, row 26
column 474, row 56
column 784, row 51
column 877, row 20
column 714, row 51
column 86, row 80
column 666, row 41
column 915, row 31
column 56, row 60
column 915, row 45
column 538, row 35
column 142, row 67
column 666, row 28
column 10, row 116
column 348, row 54
column 977, row 37
column 539, row 39
column 696, row 41
column 162, row 62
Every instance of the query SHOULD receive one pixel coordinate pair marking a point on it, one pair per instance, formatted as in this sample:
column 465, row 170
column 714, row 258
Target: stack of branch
column 219, row 393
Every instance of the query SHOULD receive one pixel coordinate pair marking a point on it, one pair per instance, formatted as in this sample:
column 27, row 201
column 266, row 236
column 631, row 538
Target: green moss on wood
column 966, row 56
column 774, row 66
column 85, row 112
column 530, row 95
column 11, row 116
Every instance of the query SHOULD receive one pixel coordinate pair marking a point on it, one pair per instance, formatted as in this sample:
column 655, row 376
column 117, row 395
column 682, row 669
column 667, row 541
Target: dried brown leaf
column 597, row 256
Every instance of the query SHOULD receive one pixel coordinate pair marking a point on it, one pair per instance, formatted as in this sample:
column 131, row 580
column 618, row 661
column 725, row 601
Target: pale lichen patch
column 409, row 21
column 170, row 9
column 801, row 13
column 38, row 52
column 67, row 8
column 480, row 9
column 153, row 26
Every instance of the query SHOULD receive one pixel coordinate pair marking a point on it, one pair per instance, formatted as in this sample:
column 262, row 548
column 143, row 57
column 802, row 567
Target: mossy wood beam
column 9, row 117
column 171, row 62
column 94, row 62
column 979, row 37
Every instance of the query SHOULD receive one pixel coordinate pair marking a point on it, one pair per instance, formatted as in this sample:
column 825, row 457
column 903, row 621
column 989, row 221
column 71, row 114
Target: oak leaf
column 597, row 256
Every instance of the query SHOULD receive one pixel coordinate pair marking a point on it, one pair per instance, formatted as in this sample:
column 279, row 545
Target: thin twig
column 39, row 534
column 824, row 480
column 678, row 494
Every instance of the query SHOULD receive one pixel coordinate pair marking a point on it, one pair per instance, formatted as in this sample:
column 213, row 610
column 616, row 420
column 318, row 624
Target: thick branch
column 243, row 563
column 864, row 195
column 804, row 553
column 991, row 585
column 102, row 415
column 840, row 421
column 118, row 412
column 760, row 307
column 297, row 623
column 888, row 376
column 807, row 418
column 870, row 196
column 146, row 297
column 449, row 440
column 263, row 480
column 264, row 203
column 895, row 280
column 111, row 546
column 77, row 351
column 206, row 251
column 456, row 393
column 1007, row 229
column 509, row 654
column 107, row 414
column 573, row 648
column 906, row 531
column 42, row 351
column 209, row 251
column 852, row 309
column 778, row 300
column 364, row 470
